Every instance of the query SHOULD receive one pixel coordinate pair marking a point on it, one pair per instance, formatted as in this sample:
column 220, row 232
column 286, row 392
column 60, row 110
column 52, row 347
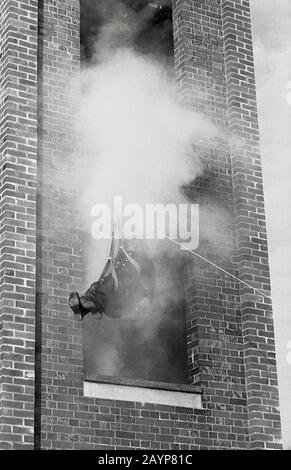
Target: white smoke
column 136, row 141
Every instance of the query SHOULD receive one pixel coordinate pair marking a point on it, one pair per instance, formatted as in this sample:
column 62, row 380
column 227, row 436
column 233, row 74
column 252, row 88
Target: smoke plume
column 135, row 141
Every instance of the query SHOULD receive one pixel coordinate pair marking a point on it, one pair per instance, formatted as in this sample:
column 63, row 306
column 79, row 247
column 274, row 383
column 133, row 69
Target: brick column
column 59, row 366
column 215, row 343
column 231, row 332
column 18, row 150
column 249, row 217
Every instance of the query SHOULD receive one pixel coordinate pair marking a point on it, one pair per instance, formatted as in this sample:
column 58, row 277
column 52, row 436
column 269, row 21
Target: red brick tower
column 45, row 402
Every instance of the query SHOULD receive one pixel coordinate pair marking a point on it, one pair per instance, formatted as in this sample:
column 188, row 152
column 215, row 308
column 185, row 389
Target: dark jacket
column 122, row 288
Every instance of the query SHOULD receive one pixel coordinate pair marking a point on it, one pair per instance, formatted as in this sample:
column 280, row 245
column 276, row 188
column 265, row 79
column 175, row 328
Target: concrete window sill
column 143, row 391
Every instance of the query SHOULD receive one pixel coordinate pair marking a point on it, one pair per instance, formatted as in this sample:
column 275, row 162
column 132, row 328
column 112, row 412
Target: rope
column 219, row 268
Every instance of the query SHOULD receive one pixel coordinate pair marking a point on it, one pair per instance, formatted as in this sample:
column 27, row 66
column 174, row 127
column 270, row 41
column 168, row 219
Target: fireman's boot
column 92, row 301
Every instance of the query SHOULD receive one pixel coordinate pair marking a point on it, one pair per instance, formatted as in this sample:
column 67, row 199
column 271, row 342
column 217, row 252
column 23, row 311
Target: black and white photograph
column 145, row 230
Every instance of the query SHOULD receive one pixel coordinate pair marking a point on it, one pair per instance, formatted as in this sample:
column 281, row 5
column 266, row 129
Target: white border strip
column 142, row 395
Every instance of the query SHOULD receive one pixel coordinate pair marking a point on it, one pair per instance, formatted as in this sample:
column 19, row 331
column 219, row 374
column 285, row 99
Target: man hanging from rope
column 125, row 285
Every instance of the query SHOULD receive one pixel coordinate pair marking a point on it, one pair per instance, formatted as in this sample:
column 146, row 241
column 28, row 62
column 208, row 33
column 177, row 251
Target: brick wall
column 18, row 145
column 59, row 365
column 231, row 326
column 230, row 330
column 215, row 342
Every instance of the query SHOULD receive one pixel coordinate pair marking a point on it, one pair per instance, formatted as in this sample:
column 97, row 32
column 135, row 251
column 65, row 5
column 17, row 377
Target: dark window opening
column 152, row 348
column 148, row 26
column 146, row 348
